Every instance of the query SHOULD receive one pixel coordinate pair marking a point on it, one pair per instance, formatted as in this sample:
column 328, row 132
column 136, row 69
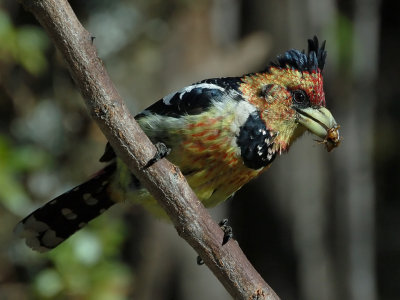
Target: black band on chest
column 255, row 142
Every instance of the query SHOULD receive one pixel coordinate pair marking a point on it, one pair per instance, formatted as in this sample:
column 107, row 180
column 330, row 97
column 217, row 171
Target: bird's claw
column 199, row 260
column 161, row 151
column 228, row 234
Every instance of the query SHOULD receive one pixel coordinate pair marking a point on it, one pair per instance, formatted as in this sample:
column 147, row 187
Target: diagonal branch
column 164, row 180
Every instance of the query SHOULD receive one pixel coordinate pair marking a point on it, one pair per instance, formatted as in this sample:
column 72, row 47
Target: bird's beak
column 317, row 120
column 320, row 122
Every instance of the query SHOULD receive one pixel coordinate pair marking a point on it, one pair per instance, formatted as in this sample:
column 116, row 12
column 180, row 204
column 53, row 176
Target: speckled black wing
column 192, row 100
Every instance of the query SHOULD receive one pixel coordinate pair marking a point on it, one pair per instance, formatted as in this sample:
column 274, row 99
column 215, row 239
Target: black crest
column 313, row 60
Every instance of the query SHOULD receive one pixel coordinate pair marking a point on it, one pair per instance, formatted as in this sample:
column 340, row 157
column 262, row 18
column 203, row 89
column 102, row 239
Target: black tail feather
column 54, row 222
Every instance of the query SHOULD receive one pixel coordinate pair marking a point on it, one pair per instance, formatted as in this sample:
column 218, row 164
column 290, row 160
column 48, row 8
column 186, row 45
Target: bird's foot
column 162, row 151
column 228, row 234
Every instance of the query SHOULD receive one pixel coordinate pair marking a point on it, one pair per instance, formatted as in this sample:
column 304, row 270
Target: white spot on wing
column 167, row 99
column 189, row 88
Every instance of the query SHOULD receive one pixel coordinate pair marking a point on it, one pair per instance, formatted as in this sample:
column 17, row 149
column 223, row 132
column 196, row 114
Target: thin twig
column 163, row 180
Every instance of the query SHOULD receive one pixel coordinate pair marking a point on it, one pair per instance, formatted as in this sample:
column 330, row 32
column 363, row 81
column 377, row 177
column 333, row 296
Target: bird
column 221, row 133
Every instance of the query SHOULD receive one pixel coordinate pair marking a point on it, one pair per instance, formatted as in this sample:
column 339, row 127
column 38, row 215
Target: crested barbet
column 222, row 132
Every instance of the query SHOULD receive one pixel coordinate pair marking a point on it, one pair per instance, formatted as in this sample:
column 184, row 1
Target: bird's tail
column 57, row 220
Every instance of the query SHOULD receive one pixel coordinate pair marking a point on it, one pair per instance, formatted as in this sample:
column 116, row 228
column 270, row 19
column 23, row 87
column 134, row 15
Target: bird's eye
column 300, row 97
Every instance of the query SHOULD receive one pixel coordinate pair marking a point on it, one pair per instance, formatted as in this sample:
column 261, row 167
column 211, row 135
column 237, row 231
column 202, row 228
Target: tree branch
column 163, row 180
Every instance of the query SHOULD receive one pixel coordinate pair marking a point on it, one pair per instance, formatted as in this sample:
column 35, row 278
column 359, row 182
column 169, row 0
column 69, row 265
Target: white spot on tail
column 35, row 244
column 34, row 225
column 30, row 229
column 50, row 239
column 89, row 199
column 69, row 214
column 82, row 224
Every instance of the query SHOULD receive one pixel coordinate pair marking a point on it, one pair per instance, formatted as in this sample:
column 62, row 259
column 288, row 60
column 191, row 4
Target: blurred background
column 317, row 225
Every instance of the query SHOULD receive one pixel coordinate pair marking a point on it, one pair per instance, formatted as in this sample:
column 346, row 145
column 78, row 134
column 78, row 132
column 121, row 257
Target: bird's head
column 291, row 98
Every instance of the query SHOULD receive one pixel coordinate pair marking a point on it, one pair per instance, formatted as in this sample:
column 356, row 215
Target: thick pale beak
column 320, row 121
